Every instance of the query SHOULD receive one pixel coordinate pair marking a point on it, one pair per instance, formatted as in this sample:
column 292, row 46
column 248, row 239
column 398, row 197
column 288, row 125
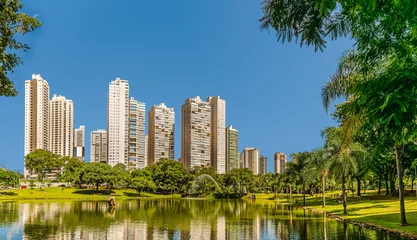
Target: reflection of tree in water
column 9, row 213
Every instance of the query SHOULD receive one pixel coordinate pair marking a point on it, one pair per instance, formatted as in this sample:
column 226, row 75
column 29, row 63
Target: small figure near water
column 111, row 201
column 253, row 196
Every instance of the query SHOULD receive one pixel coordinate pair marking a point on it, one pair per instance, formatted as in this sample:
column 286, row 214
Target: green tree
column 42, row 162
column 117, row 177
column 13, row 22
column 342, row 156
column 96, row 173
column 9, row 178
column 299, row 170
column 168, row 175
column 319, row 166
column 142, row 180
column 73, row 170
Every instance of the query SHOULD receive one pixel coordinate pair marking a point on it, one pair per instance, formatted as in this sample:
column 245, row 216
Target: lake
column 171, row 219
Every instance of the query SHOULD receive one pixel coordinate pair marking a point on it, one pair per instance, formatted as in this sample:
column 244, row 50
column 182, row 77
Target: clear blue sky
column 169, row 51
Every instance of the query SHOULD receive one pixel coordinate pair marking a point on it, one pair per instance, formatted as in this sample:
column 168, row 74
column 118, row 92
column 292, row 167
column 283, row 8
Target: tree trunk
column 304, row 195
column 392, row 187
column 290, row 192
column 400, row 185
column 97, row 187
column 386, row 185
column 379, row 186
column 323, row 183
column 358, row 187
column 412, row 184
column 275, row 193
column 344, row 194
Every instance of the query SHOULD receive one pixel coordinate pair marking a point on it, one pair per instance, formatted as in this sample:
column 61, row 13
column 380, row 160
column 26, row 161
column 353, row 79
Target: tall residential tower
column 279, row 162
column 232, row 148
column 137, row 135
column 98, row 146
column 218, row 134
column 61, row 122
column 118, row 122
column 196, row 133
column 161, row 133
column 79, row 143
column 36, row 115
column 250, row 159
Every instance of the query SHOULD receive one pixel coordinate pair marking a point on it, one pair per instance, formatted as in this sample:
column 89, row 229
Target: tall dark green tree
column 299, row 170
column 41, row 162
column 96, row 173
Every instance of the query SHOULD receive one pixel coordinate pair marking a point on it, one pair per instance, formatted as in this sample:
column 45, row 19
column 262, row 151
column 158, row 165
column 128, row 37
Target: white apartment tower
column 79, row 143
column 196, row 133
column 98, row 146
column 218, row 133
column 161, row 133
column 61, row 126
column 137, row 144
column 118, row 122
column 36, row 115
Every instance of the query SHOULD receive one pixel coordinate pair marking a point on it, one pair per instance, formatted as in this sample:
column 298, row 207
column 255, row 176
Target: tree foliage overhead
column 13, row 23
column 41, row 162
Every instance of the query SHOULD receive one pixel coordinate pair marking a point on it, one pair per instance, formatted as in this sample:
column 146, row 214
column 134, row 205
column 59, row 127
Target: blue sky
column 169, row 51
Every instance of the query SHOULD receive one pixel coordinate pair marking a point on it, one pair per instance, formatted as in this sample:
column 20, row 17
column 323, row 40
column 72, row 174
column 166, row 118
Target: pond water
column 171, row 219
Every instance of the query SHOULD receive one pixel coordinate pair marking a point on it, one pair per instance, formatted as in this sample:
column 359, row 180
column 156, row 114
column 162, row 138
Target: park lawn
column 75, row 194
column 380, row 210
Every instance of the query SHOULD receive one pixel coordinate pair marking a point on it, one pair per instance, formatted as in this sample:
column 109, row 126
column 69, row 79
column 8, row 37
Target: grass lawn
column 74, row 194
column 380, row 210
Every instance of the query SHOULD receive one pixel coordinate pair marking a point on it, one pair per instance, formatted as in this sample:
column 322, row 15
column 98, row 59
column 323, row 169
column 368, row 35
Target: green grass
column 74, row 194
column 380, row 210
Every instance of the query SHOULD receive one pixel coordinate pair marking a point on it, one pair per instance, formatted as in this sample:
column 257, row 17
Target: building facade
column 196, row 133
column 161, row 131
column 263, row 165
column 137, row 115
column 79, row 143
column 280, row 160
column 218, row 134
column 232, row 149
column 250, row 159
column 36, row 115
column 98, row 146
column 118, row 122
column 61, row 122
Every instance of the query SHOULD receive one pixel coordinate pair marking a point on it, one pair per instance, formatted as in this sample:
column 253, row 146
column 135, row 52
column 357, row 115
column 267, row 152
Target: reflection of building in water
column 220, row 228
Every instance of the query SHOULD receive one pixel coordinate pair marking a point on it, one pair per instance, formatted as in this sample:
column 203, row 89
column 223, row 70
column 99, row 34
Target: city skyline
column 205, row 140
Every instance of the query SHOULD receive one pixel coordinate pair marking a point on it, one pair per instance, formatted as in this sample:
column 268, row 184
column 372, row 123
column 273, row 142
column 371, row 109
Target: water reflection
column 171, row 219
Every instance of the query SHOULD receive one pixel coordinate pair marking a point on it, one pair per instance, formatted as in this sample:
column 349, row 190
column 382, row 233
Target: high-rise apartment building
column 196, row 133
column 118, row 122
column 218, row 134
column 61, row 126
column 250, row 159
column 98, row 146
column 137, row 115
column 161, row 133
column 36, row 115
column 146, row 150
column 232, row 149
column 263, row 165
column 279, row 162
column 79, row 143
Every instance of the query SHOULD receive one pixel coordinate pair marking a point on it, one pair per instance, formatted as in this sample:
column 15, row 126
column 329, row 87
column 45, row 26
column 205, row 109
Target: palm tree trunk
column 344, row 194
column 304, row 194
column 379, row 186
column 323, row 183
column 400, row 185
column 358, row 187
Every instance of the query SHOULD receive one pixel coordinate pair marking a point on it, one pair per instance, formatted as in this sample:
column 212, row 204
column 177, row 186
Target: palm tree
column 297, row 170
column 319, row 166
column 342, row 156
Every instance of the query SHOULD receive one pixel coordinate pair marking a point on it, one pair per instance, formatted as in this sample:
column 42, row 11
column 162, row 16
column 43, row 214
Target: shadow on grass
column 93, row 192
column 130, row 194
column 9, row 193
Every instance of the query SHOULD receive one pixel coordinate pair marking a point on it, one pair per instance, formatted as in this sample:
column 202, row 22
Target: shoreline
column 359, row 223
